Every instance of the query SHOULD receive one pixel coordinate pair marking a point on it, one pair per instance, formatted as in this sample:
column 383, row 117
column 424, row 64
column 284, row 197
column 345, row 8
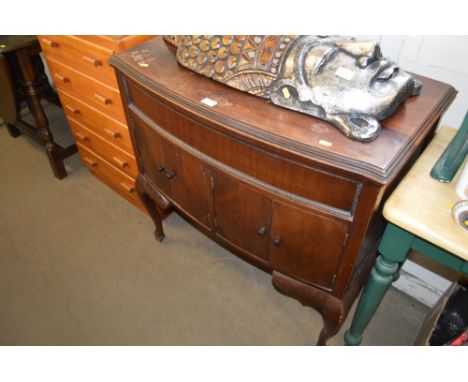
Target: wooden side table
column 22, row 76
column 419, row 218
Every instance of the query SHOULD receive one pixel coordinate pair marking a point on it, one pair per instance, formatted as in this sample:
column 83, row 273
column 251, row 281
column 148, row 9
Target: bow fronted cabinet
column 286, row 191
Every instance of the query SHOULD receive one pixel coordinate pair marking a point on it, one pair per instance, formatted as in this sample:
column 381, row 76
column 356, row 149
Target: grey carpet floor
column 79, row 266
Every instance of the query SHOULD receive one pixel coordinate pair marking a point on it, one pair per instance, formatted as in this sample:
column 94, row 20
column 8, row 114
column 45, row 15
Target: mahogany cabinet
column 259, row 179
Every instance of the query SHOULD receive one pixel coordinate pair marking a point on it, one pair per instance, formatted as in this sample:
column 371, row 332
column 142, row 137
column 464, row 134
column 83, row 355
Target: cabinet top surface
column 153, row 65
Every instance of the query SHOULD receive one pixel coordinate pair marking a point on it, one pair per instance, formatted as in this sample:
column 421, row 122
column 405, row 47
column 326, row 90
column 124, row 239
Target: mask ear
column 360, row 127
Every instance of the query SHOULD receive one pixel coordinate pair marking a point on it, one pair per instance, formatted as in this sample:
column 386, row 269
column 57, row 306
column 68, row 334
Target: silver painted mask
column 345, row 82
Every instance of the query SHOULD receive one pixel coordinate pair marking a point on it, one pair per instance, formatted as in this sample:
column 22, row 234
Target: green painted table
column 419, row 215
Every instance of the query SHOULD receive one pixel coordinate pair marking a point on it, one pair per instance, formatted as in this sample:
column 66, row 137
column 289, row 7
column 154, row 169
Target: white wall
column 444, row 58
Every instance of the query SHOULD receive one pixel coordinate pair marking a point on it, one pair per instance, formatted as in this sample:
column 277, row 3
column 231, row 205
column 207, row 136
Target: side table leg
column 42, row 124
column 394, row 249
column 13, row 131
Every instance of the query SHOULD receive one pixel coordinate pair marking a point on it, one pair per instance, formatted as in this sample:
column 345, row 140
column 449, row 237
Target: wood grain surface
column 423, row 205
column 154, row 64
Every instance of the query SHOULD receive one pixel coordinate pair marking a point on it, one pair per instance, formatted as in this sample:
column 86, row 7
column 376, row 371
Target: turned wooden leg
column 394, row 248
column 382, row 276
column 41, row 122
column 13, row 131
column 151, row 207
column 397, row 273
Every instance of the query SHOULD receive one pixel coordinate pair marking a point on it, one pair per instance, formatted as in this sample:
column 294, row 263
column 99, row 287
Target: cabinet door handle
column 160, row 168
column 262, row 231
column 127, row 187
column 83, row 137
column 102, row 98
column 92, row 60
column 112, row 133
column 62, row 78
column 52, row 44
column 90, row 161
column 72, row 109
column 170, row 175
column 277, row 241
column 122, row 163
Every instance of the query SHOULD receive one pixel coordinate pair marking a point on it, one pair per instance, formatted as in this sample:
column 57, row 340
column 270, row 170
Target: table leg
column 34, row 104
column 13, row 131
column 393, row 249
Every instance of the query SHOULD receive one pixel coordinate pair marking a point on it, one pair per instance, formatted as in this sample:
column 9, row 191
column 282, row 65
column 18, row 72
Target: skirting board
column 421, row 284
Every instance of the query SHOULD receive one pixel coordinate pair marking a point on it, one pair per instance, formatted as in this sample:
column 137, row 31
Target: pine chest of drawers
column 87, row 87
column 257, row 179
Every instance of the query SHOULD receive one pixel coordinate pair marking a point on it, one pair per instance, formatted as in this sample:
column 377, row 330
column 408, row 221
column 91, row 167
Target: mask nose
column 367, row 52
column 373, row 55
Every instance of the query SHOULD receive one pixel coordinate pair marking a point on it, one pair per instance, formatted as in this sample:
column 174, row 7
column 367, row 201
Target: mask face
column 345, row 82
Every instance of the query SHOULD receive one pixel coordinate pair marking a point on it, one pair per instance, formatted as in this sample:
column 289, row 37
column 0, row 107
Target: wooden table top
column 423, row 206
column 12, row 43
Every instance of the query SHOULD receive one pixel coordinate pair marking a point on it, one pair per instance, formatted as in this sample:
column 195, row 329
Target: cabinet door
column 190, row 186
column 150, row 150
column 306, row 246
column 242, row 215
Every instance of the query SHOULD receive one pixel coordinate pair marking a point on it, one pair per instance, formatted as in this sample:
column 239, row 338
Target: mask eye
column 317, row 57
column 326, row 56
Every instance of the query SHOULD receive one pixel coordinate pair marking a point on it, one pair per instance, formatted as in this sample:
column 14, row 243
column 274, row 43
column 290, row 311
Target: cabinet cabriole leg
column 332, row 315
column 150, row 207
column 330, row 308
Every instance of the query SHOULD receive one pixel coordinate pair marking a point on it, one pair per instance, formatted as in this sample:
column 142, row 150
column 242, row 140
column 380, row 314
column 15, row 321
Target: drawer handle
column 127, row 187
column 103, row 99
column 277, row 241
column 160, row 168
column 72, row 109
column 90, row 161
column 112, row 133
column 52, row 44
column 92, row 60
column 170, row 175
column 83, row 137
column 62, row 78
column 262, row 231
column 120, row 162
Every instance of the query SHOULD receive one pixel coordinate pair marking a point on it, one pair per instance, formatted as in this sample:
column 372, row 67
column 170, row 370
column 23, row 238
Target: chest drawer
column 119, row 158
column 108, row 128
column 97, row 94
column 113, row 177
column 81, row 55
